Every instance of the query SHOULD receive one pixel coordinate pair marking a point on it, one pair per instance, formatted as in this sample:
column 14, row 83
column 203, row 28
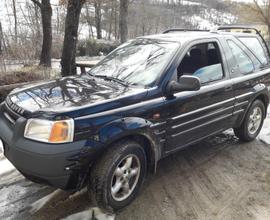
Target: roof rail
column 245, row 27
column 235, row 27
column 182, row 29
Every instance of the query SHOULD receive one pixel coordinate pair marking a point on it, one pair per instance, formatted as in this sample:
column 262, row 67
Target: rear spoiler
column 243, row 27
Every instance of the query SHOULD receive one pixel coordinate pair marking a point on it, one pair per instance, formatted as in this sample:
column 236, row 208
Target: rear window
column 245, row 64
column 255, row 46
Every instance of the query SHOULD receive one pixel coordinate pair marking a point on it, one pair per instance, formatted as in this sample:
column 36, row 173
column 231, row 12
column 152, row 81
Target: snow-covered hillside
column 210, row 18
column 202, row 14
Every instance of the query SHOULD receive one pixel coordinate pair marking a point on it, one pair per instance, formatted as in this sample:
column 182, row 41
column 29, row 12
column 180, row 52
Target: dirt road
column 219, row 178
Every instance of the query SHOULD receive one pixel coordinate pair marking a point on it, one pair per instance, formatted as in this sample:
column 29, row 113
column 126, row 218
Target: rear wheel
column 253, row 122
column 116, row 179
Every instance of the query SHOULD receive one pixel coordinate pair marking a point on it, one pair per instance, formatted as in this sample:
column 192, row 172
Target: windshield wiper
column 110, row 78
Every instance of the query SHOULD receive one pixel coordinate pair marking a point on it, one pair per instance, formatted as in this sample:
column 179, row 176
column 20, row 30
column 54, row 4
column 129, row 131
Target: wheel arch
column 265, row 99
column 138, row 130
column 148, row 147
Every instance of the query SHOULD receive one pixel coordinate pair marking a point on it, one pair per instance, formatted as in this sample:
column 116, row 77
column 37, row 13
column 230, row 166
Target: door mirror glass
column 185, row 83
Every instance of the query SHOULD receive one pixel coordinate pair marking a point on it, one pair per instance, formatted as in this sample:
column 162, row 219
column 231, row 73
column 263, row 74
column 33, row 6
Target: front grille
column 9, row 114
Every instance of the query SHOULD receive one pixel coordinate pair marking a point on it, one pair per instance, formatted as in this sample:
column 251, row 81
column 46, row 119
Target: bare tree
column 46, row 17
column 262, row 11
column 98, row 17
column 15, row 21
column 71, row 36
column 1, row 39
column 123, row 20
column 2, row 45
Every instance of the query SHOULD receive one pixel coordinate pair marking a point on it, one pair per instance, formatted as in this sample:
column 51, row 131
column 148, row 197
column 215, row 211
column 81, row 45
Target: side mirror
column 186, row 83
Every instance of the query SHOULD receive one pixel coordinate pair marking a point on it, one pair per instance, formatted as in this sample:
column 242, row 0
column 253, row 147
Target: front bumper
column 63, row 166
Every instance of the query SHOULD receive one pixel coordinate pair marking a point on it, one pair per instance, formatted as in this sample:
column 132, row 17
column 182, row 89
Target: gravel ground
column 220, row 178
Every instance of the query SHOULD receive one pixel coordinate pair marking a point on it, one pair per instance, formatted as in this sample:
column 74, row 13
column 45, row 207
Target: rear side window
column 253, row 44
column 244, row 63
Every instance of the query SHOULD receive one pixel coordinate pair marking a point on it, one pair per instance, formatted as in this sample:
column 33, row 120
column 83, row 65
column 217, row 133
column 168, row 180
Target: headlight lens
column 50, row 131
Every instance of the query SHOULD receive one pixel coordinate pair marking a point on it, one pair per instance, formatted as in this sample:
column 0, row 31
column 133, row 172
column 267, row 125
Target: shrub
column 94, row 47
column 11, row 80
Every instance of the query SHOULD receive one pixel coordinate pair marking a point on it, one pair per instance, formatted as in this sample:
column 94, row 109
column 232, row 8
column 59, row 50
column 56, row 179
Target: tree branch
column 261, row 12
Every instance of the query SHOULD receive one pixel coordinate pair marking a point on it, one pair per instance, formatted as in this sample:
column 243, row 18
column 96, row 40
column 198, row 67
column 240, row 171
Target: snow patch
column 185, row 2
column 39, row 204
column 182, row 2
column 264, row 136
column 10, row 193
column 86, row 31
column 76, row 194
column 208, row 19
column 92, row 213
column 5, row 166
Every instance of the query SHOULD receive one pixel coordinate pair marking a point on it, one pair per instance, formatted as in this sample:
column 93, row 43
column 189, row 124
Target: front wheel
column 253, row 122
column 116, row 179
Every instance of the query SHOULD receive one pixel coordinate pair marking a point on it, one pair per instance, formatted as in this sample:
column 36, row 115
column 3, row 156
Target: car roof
column 184, row 36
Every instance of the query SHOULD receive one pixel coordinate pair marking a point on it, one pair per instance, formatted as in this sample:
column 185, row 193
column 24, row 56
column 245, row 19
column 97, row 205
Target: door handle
column 228, row 88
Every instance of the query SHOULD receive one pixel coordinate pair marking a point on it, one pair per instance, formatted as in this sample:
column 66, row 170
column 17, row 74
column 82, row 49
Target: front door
column 198, row 114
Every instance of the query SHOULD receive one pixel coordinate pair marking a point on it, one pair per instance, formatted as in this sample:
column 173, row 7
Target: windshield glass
column 138, row 62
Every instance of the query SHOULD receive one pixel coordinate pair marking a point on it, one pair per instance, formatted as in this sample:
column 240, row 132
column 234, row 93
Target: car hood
column 66, row 94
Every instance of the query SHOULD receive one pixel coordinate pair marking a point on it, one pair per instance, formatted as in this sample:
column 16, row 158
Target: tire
column 116, row 168
column 246, row 133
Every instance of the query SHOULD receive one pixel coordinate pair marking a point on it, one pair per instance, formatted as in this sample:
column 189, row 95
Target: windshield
column 139, row 62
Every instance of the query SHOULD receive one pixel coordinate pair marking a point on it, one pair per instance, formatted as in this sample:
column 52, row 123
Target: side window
column 203, row 61
column 253, row 44
column 243, row 61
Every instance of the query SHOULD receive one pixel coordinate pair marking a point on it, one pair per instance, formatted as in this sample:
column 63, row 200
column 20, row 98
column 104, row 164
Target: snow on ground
column 182, row 2
column 39, row 204
column 85, row 32
column 92, row 213
column 59, row 195
column 210, row 18
column 5, row 166
column 6, row 196
column 265, row 133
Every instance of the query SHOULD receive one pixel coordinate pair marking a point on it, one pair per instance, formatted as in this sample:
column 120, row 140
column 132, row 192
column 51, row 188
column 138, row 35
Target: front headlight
column 50, row 131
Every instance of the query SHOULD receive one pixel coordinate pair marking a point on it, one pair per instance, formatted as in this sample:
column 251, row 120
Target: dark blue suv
column 149, row 98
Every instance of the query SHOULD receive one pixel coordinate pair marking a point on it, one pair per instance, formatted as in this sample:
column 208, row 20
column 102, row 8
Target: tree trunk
column 123, row 26
column 111, row 20
column 2, row 46
column 15, row 21
column 46, row 18
column 98, row 16
column 115, row 20
column 1, row 39
column 268, row 40
column 37, row 35
column 71, row 35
